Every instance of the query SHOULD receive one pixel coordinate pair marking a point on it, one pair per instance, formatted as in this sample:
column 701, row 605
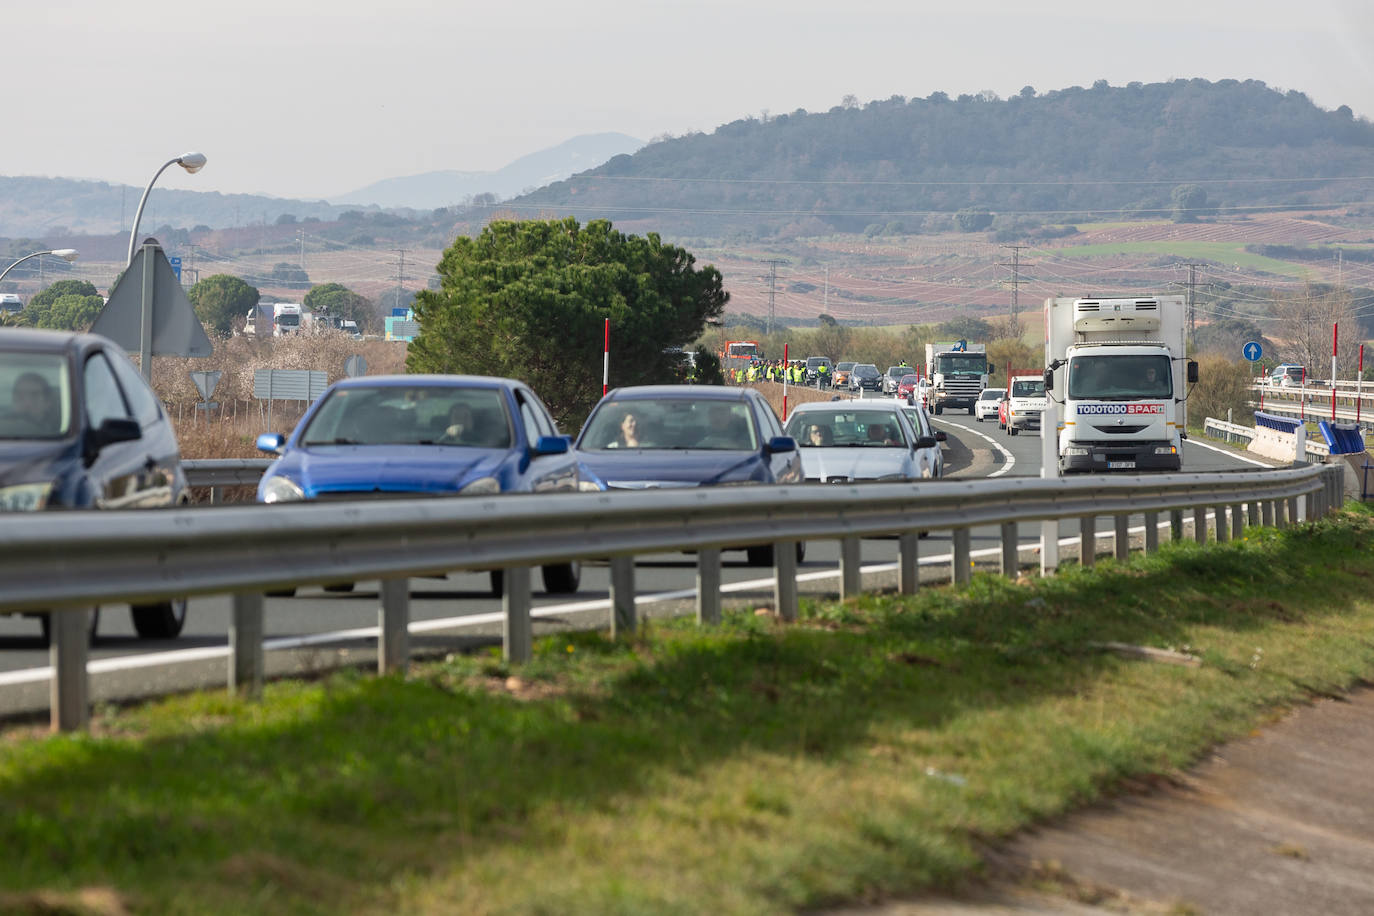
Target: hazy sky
column 314, row 98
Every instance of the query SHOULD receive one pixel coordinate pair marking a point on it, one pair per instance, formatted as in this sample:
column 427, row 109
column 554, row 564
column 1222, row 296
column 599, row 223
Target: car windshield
column 670, row 423
column 411, row 415
column 910, row 379
column 843, row 367
column 1028, row 388
column 847, row 429
column 898, row 371
column 991, row 394
column 1120, row 377
column 865, row 371
column 35, row 396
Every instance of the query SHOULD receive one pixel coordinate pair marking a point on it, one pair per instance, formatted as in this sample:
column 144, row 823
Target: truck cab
column 1120, row 367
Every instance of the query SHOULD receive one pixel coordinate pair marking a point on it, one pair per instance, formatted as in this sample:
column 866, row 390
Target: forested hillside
column 1100, row 151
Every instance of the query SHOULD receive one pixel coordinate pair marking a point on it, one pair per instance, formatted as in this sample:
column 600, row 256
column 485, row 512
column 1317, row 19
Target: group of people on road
column 775, row 370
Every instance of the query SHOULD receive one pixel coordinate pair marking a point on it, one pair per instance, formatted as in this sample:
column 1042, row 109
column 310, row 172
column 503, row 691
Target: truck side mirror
column 992, row 370
column 1049, row 379
column 1192, row 372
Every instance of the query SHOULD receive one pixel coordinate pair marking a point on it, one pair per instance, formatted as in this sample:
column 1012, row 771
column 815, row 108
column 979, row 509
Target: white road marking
column 1010, row 458
column 1230, row 452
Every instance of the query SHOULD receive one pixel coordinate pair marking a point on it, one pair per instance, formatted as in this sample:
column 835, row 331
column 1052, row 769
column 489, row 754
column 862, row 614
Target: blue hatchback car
column 662, row 436
column 425, row 435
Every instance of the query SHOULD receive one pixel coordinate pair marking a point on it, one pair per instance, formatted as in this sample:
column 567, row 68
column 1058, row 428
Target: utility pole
column 302, row 241
column 825, row 303
column 1015, row 266
column 1192, row 303
column 772, row 288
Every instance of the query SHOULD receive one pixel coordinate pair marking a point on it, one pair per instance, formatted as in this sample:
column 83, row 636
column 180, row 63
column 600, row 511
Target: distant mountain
column 65, row 207
column 1035, row 158
column 441, row 189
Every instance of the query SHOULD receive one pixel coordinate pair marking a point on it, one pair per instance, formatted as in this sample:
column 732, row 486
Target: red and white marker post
column 785, row 372
column 606, row 360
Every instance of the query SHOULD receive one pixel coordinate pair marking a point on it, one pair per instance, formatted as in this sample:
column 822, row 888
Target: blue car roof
column 448, row 381
column 703, row 392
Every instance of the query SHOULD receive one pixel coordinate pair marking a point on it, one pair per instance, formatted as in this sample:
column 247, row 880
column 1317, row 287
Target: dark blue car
column 425, row 435
column 663, row 436
column 81, row 429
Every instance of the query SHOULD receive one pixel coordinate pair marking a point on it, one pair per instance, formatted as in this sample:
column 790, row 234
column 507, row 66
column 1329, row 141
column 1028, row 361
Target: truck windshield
column 1028, row 388
column 1120, row 377
column 968, row 364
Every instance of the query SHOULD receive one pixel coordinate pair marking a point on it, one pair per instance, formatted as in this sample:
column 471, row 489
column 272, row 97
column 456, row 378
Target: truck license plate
column 1120, row 465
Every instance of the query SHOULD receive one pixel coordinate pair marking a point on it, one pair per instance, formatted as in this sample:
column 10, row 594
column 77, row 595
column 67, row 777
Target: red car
column 906, row 387
column 1002, row 407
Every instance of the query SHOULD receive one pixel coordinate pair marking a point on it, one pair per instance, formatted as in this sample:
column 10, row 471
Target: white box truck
column 1119, row 369
column 957, row 373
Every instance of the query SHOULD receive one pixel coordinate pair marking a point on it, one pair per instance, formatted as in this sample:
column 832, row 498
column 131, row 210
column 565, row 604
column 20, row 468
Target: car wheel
column 938, row 410
column 562, row 578
column 1013, row 430
column 340, row 586
column 160, row 621
column 92, row 626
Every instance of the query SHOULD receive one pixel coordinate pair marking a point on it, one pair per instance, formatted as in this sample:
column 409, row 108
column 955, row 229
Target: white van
column 9, row 302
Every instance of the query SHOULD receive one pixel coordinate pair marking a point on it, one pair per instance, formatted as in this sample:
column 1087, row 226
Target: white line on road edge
column 210, row 653
column 1231, row 453
column 1011, row 459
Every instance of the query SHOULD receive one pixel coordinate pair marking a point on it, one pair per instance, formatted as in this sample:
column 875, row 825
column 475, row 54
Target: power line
column 772, row 287
column 1015, row 266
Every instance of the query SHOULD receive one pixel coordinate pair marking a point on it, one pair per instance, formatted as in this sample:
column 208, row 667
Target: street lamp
column 191, row 162
column 66, row 254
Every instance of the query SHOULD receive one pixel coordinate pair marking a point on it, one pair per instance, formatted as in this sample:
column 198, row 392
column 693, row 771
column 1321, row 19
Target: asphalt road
column 318, row 629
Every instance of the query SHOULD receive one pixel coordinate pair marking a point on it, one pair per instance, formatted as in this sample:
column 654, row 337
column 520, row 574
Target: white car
column 986, row 405
column 1026, row 404
column 844, row 441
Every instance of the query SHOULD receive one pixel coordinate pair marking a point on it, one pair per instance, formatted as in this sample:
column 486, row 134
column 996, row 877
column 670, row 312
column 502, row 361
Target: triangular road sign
column 176, row 329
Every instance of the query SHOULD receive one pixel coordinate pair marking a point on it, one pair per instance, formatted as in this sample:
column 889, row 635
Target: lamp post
column 191, row 162
column 66, row 254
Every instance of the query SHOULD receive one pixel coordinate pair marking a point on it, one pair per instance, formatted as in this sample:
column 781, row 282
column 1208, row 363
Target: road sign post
column 1252, row 351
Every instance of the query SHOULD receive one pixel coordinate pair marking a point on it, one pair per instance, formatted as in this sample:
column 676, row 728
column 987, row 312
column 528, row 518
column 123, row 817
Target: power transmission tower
column 400, row 274
column 772, row 287
column 1015, row 266
column 1192, row 303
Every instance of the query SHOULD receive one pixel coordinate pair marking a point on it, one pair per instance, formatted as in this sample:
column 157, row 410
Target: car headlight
column 281, row 490
column 25, row 497
column 1075, row 450
column 589, row 486
column 482, row 486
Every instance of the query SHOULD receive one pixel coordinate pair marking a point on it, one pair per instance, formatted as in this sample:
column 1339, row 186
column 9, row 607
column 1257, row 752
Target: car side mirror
column 121, row 429
column 924, row 442
column 1192, row 372
column 271, row 442
column 781, row 444
column 1049, row 380
column 550, row 445
column 941, row 436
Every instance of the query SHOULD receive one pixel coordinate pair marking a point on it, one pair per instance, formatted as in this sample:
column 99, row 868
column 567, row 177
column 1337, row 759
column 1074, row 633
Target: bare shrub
column 1222, row 383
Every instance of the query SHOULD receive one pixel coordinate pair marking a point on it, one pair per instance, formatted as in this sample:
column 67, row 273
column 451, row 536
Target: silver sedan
column 843, row 441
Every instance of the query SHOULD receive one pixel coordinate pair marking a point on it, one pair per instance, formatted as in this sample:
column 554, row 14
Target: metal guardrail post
column 1087, row 540
column 216, row 495
column 624, row 618
column 1223, row 527
column 962, row 559
column 1011, row 554
column 517, row 634
column 1200, row 524
column 1175, row 524
column 908, row 559
column 1253, row 510
column 1294, row 515
column 785, row 579
column 1049, row 547
column 1237, row 523
column 1151, row 532
column 393, row 626
column 708, row 586
column 1268, row 513
column 245, row 645
column 1281, row 519
column 69, row 700
column 850, row 578
column 1122, row 538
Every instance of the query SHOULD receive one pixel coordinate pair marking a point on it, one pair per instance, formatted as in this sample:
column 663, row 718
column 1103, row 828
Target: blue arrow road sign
column 1252, row 350
column 176, row 266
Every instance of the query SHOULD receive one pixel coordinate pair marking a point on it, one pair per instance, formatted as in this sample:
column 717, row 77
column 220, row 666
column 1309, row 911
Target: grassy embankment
column 870, row 749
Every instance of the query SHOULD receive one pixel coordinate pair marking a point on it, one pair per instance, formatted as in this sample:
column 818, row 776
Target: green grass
column 1221, row 252
column 868, row 750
